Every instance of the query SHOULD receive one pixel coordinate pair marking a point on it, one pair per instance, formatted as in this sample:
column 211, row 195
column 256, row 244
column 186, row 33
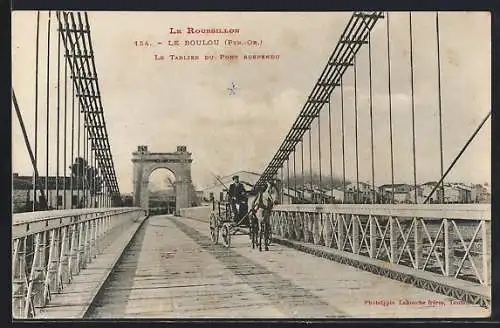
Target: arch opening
column 161, row 192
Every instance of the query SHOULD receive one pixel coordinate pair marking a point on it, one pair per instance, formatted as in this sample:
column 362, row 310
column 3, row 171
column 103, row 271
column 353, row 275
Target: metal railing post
column 355, row 233
column 486, row 251
column 447, row 248
column 73, row 254
column 340, row 218
column 49, row 273
column 81, row 245
column 392, row 240
column 63, row 260
column 19, row 286
column 373, row 235
column 38, row 275
column 28, row 302
column 417, row 235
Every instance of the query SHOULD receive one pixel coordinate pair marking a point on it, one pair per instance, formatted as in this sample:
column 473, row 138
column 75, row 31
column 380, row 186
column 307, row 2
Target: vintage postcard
column 251, row 165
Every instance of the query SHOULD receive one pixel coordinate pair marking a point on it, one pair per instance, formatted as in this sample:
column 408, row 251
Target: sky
column 165, row 103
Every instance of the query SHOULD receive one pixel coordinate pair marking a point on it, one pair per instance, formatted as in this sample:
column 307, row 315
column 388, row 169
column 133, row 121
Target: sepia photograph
column 249, row 165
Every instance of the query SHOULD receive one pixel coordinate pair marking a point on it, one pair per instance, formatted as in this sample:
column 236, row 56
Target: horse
column 262, row 206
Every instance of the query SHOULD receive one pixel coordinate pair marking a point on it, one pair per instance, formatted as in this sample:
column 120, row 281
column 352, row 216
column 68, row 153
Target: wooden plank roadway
column 172, row 270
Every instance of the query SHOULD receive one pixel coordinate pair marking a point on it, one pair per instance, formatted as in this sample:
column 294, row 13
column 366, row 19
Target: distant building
column 457, row 193
column 22, row 193
column 427, row 188
column 423, row 192
column 453, row 193
column 398, row 188
column 401, row 192
column 305, row 193
column 418, row 190
column 365, row 194
column 337, row 197
column 480, row 193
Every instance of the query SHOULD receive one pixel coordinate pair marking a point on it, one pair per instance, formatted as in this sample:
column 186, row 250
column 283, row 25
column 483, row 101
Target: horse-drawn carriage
column 226, row 222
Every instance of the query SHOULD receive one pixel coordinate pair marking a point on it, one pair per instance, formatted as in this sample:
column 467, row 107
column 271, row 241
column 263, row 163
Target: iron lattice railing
column 449, row 240
column 50, row 247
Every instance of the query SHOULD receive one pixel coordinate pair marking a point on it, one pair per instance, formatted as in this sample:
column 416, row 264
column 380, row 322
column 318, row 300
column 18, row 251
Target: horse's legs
column 251, row 235
column 260, row 235
column 266, row 234
column 269, row 233
column 253, row 231
column 250, row 232
column 250, row 226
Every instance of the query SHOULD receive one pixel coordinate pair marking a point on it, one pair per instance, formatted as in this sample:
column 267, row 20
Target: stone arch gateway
column 179, row 163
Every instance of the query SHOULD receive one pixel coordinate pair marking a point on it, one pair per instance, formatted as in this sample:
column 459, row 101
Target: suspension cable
column 319, row 158
column 310, row 164
column 374, row 194
column 302, row 168
column 65, row 126
column 294, row 176
column 390, row 104
column 413, row 113
column 330, row 139
column 356, row 129
column 440, row 105
column 47, row 116
column 35, row 159
column 58, row 108
column 343, row 137
column 72, row 141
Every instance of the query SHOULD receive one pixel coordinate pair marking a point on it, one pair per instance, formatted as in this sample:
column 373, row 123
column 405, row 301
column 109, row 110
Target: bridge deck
column 172, row 270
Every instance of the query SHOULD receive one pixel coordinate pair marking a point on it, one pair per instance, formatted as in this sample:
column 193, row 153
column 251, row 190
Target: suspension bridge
column 340, row 249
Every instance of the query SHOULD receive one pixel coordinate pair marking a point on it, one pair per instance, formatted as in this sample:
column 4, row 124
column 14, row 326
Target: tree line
column 86, row 175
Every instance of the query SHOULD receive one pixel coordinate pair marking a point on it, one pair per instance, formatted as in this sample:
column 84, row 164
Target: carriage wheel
column 226, row 235
column 214, row 229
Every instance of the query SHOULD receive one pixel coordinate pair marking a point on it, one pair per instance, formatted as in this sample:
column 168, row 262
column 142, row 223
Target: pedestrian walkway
column 76, row 298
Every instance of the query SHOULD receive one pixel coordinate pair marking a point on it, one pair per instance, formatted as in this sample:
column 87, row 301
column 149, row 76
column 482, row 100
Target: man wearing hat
column 238, row 195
